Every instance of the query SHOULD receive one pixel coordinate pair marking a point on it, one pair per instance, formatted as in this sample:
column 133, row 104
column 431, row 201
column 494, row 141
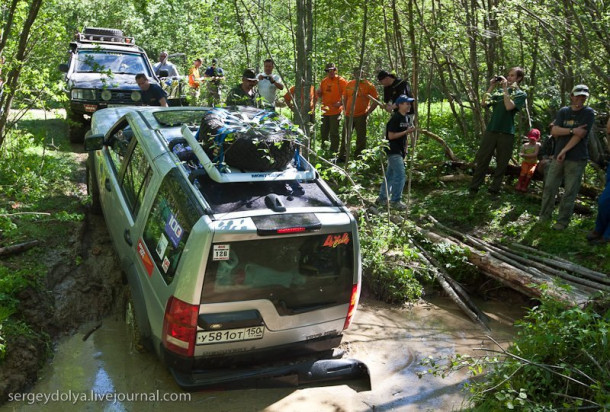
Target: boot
column 526, row 182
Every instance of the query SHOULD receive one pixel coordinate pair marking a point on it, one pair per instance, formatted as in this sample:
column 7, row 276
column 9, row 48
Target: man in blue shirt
column 152, row 94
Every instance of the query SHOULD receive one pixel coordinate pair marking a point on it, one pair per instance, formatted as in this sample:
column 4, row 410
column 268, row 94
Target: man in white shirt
column 268, row 84
column 164, row 64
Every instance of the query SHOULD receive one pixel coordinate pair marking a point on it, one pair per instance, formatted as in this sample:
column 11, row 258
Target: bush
column 559, row 360
column 389, row 263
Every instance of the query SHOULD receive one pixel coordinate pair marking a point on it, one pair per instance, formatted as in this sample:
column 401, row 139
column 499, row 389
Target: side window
column 174, row 212
column 136, row 179
column 119, row 141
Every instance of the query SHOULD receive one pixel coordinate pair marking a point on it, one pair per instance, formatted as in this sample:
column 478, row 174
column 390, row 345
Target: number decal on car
column 221, row 252
column 173, row 229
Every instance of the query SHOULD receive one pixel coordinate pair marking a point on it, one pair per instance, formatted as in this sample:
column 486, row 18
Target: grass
column 40, row 201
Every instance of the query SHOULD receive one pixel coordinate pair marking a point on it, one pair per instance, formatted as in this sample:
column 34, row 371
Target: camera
column 498, row 79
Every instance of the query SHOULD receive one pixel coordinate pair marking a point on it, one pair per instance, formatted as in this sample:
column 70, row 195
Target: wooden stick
column 18, row 248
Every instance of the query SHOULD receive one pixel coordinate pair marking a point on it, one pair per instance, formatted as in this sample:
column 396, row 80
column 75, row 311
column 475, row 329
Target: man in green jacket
column 505, row 98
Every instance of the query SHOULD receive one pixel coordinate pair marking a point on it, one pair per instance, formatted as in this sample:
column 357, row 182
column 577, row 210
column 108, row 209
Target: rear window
column 297, row 274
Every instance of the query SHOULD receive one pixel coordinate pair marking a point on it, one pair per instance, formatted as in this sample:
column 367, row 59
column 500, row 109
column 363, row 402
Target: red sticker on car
column 145, row 257
column 336, row 240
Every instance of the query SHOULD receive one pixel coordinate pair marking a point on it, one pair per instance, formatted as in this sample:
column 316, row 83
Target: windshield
column 117, row 63
column 297, row 274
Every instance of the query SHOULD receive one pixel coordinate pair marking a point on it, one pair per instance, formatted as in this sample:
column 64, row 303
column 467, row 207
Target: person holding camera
column 269, row 84
column 505, row 98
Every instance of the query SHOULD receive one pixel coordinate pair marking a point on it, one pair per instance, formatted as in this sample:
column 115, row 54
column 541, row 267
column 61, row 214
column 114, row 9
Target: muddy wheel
column 140, row 342
column 77, row 127
column 93, row 189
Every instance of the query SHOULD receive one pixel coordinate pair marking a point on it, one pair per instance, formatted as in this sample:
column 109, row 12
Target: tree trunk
column 20, row 57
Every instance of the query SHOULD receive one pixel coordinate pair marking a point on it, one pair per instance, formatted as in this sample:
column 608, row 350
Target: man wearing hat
column 363, row 106
column 214, row 77
column 392, row 88
column 570, row 131
column 330, row 92
column 397, row 129
column 244, row 94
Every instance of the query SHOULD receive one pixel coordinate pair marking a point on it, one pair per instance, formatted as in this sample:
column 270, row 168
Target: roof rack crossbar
column 308, row 172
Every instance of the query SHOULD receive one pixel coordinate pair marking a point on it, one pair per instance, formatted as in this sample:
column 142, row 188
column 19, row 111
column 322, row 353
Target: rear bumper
column 319, row 372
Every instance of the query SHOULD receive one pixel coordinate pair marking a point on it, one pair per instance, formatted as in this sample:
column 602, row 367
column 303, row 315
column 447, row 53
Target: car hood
column 100, row 81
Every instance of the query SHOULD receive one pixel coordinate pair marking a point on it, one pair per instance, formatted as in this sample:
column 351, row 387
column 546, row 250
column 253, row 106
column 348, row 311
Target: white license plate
column 231, row 335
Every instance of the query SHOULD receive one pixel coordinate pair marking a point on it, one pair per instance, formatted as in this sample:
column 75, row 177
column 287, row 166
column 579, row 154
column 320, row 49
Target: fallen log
column 454, row 290
column 18, row 248
column 560, row 263
column 437, row 138
column 524, row 282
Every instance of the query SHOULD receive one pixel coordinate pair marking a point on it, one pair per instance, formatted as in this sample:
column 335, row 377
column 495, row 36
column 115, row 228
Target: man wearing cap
column 397, row 129
column 392, row 88
column 505, row 98
column 570, row 131
column 164, row 64
column 363, row 106
column 244, row 94
column 214, row 77
column 195, row 78
column 269, row 83
column 329, row 93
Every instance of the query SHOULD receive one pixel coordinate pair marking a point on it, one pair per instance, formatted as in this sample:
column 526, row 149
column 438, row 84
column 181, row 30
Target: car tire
column 77, row 127
column 103, row 31
column 93, row 189
column 140, row 342
column 262, row 148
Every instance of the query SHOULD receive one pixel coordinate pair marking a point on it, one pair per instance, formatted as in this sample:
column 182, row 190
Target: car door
column 125, row 177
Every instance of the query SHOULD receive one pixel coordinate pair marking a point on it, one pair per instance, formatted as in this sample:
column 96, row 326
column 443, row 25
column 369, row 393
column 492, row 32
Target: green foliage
column 559, row 360
column 556, row 347
column 389, row 262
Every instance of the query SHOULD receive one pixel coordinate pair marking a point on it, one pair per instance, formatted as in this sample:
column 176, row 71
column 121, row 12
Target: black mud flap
column 323, row 372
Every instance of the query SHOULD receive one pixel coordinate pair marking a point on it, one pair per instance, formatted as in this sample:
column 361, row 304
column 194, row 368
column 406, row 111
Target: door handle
column 127, row 237
column 107, row 184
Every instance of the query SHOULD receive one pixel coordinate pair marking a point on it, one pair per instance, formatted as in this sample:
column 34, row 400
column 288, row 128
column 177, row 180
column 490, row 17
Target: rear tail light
column 353, row 302
column 180, row 326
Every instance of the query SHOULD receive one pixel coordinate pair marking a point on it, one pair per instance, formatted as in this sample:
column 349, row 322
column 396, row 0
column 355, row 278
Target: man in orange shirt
column 363, row 106
column 330, row 92
column 313, row 99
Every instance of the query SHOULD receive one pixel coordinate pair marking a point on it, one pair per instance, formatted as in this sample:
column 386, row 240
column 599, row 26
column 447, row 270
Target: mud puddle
column 104, row 372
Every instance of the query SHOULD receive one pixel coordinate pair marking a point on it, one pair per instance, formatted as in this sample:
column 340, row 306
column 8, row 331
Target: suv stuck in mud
column 238, row 273
column 101, row 73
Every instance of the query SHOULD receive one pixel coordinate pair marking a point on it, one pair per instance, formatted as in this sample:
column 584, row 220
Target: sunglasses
column 330, row 70
column 581, row 89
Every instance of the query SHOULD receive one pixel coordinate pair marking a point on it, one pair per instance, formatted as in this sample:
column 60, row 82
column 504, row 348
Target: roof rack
column 105, row 39
column 211, row 168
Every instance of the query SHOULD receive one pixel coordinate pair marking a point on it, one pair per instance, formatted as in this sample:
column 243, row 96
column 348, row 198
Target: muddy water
column 390, row 341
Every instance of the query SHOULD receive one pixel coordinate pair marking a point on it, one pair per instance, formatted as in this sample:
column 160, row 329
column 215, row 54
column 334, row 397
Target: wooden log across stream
column 527, row 270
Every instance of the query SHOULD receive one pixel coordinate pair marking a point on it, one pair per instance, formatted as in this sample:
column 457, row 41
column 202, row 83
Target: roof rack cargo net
column 245, row 145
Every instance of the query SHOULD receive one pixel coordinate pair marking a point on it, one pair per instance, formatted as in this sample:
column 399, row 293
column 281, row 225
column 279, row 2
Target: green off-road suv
column 100, row 73
column 240, row 271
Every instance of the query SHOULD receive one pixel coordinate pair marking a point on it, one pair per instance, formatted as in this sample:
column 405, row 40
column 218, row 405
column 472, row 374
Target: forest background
column 447, row 49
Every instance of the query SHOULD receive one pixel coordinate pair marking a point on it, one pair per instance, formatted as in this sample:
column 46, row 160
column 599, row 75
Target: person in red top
column 363, row 105
column 330, row 92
